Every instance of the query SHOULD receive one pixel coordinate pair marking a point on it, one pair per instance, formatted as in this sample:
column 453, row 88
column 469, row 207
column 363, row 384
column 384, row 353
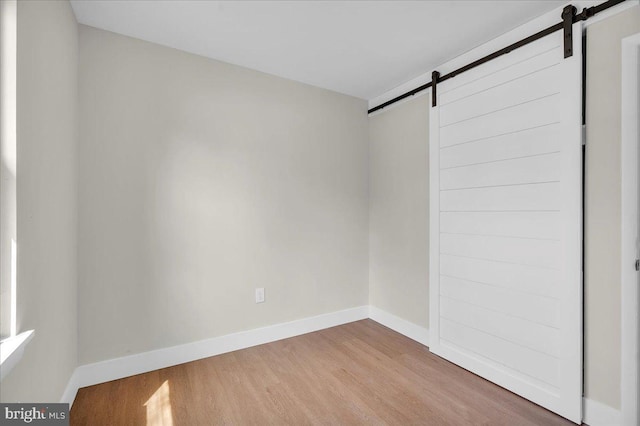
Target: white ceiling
column 361, row 48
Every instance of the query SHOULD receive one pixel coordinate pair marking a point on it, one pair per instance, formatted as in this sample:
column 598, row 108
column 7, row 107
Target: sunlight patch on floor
column 159, row 407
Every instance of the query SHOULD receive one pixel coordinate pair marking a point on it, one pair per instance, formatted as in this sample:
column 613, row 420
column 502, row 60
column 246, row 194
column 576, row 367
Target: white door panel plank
column 517, row 63
column 525, row 143
column 533, row 169
column 537, row 337
column 510, row 93
column 526, row 279
column 531, row 197
column 539, row 112
column 452, row 93
column 522, row 251
column 540, row 225
column 534, row 364
column 527, row 306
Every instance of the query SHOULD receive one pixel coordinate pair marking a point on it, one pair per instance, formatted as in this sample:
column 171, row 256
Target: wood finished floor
column 358, row 373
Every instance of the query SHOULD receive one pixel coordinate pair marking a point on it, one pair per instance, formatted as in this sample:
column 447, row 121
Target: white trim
column 595, row 413
column 434, row 225
column 400, row 325
column 71, row 390
column 117, row 368
column 630, row 93
column 13, row 272
column 512, row 36
column 11, row 351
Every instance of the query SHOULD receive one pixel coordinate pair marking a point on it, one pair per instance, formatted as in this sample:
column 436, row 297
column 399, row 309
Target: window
column 8, row 240
column 12, row 344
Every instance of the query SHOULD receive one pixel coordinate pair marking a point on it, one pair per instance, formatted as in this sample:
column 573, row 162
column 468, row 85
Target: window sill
column 11, row 350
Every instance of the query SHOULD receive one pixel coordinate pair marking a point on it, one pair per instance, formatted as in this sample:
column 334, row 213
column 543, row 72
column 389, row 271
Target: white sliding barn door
column 506, row 223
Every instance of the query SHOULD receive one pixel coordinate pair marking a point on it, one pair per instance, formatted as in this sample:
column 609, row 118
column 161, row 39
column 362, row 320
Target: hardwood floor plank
column 357, row 373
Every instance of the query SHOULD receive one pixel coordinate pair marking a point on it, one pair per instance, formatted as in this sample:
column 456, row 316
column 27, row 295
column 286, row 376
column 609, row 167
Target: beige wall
column 399, row 210
column 602, row 236
column 200, row 181
column 46, row 200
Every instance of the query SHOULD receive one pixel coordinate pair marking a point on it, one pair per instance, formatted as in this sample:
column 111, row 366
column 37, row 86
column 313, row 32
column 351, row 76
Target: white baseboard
column 71, row 390
column 595, row 413
column 402, row 326
column 117, row 368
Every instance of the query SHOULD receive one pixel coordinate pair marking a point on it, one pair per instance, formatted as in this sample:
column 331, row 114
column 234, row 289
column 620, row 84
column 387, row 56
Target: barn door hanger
column 568, row 17
column 435, row 76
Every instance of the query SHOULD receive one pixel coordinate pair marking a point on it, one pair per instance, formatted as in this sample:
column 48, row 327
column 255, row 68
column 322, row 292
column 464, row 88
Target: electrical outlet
column 259, row 295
